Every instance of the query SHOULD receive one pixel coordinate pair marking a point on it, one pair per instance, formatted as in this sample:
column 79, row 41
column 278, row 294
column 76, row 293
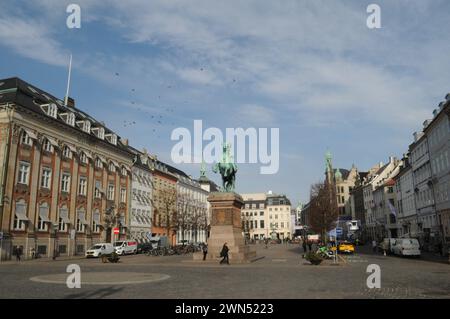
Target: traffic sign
column 116, row 231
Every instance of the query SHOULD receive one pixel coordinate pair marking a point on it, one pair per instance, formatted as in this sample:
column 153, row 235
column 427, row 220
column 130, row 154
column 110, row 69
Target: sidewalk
column 424, row 255
column 39, row 260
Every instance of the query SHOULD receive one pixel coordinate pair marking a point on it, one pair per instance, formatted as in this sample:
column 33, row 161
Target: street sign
column 116, row 231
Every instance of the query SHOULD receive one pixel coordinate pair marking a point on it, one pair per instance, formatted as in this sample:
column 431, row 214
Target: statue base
column 226, row 228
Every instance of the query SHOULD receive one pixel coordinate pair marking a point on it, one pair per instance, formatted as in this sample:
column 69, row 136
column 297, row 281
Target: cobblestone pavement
column 282, row 273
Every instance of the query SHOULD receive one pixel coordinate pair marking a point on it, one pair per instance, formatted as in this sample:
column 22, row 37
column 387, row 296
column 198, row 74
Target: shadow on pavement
column 96, row 294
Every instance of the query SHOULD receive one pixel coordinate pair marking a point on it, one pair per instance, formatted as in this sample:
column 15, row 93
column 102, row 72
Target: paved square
column 281, row 274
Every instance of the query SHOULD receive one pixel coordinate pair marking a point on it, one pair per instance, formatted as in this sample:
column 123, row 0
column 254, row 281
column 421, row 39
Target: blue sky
column 311, row 68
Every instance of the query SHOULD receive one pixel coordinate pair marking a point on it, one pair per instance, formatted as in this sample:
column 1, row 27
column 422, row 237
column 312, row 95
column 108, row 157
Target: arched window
column 43, row 217
column 67, row 153
column 81, row 220
column 96, row 221
column 63, row 218
column 46, row 145
column 20, row 216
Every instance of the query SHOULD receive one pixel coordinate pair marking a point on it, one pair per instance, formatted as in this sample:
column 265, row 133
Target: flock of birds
column 156, row 121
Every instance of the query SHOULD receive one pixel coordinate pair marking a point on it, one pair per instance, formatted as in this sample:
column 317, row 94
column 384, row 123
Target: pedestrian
column 304, row 245
column 439, row 247
column 374, row 246
column 224, row 254
column 205, row 251
column 33, row 253
column 310, row 245
column 18, row 253
column 266, row 241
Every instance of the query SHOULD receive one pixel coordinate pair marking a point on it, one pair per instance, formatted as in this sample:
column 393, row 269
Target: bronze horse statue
column 227, row 169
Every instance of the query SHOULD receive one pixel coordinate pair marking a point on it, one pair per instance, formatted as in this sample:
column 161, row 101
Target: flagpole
column 68, row 81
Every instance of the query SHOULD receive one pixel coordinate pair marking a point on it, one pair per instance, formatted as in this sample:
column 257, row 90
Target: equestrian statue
column 227, row 169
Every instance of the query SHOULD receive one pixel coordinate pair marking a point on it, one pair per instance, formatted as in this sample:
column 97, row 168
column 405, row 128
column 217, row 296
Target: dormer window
column 124, row 171
column 112, row 138
column 71, row 119
column 99, row 132
column 85, row 125
column 52, row 110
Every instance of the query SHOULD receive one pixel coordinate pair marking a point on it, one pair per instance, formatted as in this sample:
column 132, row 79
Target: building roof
column 14, row 90
column 344, row 172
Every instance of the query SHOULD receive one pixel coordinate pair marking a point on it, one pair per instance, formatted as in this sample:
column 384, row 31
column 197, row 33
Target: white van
column 125, row 247
column 406, row 247
column 100, row 249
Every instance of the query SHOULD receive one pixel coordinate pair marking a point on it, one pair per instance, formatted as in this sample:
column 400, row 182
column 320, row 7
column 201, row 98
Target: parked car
column 346, row 247
column 100, row 249
column 406, row 247
column 125, row 247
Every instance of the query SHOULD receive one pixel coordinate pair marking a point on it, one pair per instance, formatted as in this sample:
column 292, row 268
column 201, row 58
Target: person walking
column 310, row 245
column 224, row 254
column 374, row 246
column 18, row 253
column 205, row 251
column 304, row 245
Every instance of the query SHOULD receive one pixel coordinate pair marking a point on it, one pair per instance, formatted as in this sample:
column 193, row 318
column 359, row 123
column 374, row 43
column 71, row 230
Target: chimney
column 391, row 159
column 125, row 141
column 70, row 102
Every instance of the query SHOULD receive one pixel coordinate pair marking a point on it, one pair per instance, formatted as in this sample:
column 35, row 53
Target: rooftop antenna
column 68, row 81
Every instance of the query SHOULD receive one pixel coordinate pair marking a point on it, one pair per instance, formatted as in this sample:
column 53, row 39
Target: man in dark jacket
column 304, row 245
column 224, row 254
column 205, row 251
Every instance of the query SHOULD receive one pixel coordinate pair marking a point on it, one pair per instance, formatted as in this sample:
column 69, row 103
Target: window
column 52, row 110
column 261, row 224
column 112, row 167
column 261, row 213
column 123, row 195
column 25, row 139
column 81, row 220
column 65, row 183
column 282, row 224
column 46, row 177
column 124, row 171
column 47, row 146
column 98, row 163
column 24, row 173
column 110, row 192
column 96, row 221
column 83, row 158
column 82, row 186
column 87, row 126
column 71, row 119
column 43, row 217
column 97, row 189
column 20, row 215
column 67, row 153
column 63, row 216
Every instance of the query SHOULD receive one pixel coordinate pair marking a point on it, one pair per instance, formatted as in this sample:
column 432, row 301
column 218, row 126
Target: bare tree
column 323, row 208
column 167, row 210
column 183, row 220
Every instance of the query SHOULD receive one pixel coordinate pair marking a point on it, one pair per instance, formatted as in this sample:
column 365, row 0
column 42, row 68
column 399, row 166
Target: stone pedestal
column 226, row 228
